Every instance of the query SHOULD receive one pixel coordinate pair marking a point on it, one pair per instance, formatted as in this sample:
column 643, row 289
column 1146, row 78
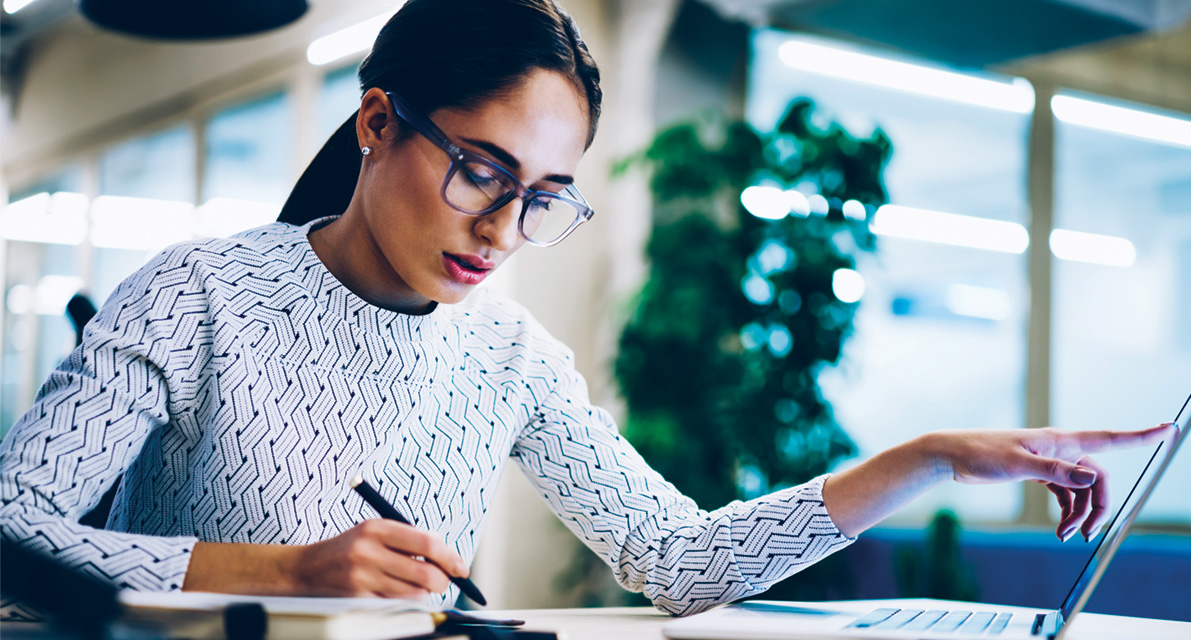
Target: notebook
column 922, row 618
column 201, row 616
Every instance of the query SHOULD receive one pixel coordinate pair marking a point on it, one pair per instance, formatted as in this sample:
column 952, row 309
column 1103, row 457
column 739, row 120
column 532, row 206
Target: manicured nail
column 1067, row 533
column 1082, row 475
column 1092, row 534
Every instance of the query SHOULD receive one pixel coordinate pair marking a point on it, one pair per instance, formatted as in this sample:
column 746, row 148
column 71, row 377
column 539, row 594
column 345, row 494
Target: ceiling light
column 346, row 42
column 1016, row 95
column 1122, row 120
column 13, row 6
column 949, row 228
column 1092, row 248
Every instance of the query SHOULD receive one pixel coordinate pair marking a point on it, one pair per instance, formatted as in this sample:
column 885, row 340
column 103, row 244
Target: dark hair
column 448, row 53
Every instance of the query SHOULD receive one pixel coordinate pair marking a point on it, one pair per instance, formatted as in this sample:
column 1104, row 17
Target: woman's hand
column 379, row 558
column 862, row 496
column 1057, row 458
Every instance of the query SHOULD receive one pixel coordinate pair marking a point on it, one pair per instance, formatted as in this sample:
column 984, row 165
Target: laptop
column 925, row 618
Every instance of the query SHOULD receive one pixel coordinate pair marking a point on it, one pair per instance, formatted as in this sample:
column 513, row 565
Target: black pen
column 389, row 512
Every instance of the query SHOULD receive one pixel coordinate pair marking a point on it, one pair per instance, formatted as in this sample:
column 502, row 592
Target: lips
column 467, row 269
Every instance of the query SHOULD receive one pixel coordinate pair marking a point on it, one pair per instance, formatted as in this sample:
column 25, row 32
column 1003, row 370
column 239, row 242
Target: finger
column 1060, row 472
column 416, row 542
column 1080, row 506
column 1099, row 501
column 403, row 571
column 1063, row 497
column 1107, row 440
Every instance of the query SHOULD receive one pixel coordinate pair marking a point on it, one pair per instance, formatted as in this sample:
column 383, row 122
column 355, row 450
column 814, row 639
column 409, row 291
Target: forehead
column 542, row 122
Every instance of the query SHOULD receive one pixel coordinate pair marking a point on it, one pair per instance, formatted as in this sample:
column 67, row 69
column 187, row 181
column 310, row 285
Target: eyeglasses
column 476, row 186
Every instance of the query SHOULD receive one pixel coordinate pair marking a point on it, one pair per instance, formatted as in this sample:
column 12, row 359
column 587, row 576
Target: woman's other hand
column 1058, row 458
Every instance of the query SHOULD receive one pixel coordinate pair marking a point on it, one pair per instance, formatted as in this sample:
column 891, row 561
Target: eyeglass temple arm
column 422, row 124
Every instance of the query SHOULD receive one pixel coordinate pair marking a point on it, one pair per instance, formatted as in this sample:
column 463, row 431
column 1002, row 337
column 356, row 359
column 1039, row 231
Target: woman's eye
column 479, row 177
column 541, row 204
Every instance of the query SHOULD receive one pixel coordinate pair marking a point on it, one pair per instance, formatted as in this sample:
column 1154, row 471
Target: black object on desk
column 78, row 603
column 389, row 512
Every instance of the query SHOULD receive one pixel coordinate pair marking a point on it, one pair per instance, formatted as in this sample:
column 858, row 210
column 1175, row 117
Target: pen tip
column 356, row 481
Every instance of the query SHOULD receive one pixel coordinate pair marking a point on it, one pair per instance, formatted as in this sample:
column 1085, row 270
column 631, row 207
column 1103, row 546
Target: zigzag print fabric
column 235, row 386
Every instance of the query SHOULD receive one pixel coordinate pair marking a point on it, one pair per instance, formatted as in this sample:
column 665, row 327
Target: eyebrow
column 504, row 156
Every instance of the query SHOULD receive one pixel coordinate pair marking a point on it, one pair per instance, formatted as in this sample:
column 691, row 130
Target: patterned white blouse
column 235, row 385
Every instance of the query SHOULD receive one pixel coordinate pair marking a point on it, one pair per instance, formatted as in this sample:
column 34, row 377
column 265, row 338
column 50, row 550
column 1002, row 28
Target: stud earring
column 366, row 150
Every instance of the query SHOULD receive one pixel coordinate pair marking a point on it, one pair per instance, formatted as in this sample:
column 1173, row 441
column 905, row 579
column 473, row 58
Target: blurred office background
column 1058, row 129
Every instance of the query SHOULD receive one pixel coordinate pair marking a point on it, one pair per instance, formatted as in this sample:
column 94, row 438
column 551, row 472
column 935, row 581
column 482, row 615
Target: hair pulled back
column 448, row 53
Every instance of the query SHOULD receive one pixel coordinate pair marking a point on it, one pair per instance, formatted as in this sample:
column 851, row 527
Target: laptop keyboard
column 935, row 621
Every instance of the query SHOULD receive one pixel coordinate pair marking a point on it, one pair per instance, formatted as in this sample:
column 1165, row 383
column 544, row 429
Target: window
column 1121, row 351
column 248, row 151
column 338, row 99
column 247, row 161
column 125, row 233
column 940, row 336
column 39, row 278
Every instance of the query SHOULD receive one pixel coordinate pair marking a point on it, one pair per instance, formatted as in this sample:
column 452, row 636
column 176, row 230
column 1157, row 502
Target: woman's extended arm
column 862, row 496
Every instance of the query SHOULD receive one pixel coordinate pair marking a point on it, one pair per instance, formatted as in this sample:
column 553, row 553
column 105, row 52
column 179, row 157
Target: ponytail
column 327, row 184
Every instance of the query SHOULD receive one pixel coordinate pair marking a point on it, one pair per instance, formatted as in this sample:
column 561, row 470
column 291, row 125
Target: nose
column 499, row 228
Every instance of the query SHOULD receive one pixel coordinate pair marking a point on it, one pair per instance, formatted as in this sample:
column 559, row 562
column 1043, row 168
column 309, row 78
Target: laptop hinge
column 1047, row 624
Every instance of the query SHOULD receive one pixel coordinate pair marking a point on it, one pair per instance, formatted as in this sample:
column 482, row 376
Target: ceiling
column 966, row 33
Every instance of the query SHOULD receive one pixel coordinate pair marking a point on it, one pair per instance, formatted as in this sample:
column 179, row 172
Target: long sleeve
column 655, row 539
column 89, row 422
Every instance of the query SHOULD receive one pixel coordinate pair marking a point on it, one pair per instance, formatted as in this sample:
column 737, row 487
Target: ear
column 375, row 121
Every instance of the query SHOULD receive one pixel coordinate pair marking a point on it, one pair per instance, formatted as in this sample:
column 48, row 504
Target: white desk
column 641, row 623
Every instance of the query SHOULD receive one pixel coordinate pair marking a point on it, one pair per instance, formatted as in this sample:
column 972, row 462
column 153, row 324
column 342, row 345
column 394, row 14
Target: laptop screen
column 1119, row 526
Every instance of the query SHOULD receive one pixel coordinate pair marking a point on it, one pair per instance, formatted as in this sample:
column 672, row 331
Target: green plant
column 719, row 362
column 936, row 571
column 721, row 385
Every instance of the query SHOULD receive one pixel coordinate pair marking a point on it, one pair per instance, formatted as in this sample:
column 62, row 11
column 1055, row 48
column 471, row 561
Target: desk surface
column 644, row 623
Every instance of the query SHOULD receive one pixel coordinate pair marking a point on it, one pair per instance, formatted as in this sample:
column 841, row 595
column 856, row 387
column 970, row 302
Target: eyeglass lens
column 475, row 187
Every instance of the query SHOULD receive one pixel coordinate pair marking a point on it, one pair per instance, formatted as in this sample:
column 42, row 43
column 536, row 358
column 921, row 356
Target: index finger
column 1108, row 440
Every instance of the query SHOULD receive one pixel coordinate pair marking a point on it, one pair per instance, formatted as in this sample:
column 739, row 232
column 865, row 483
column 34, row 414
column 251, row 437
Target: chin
column 453, row 293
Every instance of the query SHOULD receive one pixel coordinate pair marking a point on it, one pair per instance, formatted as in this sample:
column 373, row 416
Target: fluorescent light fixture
column 346, row 42
column 1123, row 120
column 847, row 285
column 949, row 228
column 13, row 6
column 59, row 218
column 1092, row 248
column 977, row 302
column 1016, row 95
column 144, row 224
column 222, row 217
column 769, row 203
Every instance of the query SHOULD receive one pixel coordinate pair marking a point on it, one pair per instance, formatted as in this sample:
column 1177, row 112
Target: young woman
column 234, row 386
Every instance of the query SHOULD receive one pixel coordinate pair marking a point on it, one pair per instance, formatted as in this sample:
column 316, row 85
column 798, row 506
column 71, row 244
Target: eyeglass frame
column 460, row 156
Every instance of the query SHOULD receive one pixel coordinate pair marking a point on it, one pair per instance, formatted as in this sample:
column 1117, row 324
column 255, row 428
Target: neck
column 348, row 250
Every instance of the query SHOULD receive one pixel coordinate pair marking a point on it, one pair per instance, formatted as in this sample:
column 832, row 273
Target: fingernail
column 1093, row 534
column 1067, row 533
column 1082, row 475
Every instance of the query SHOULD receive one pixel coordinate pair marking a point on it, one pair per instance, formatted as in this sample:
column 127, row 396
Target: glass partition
column 939, row 337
